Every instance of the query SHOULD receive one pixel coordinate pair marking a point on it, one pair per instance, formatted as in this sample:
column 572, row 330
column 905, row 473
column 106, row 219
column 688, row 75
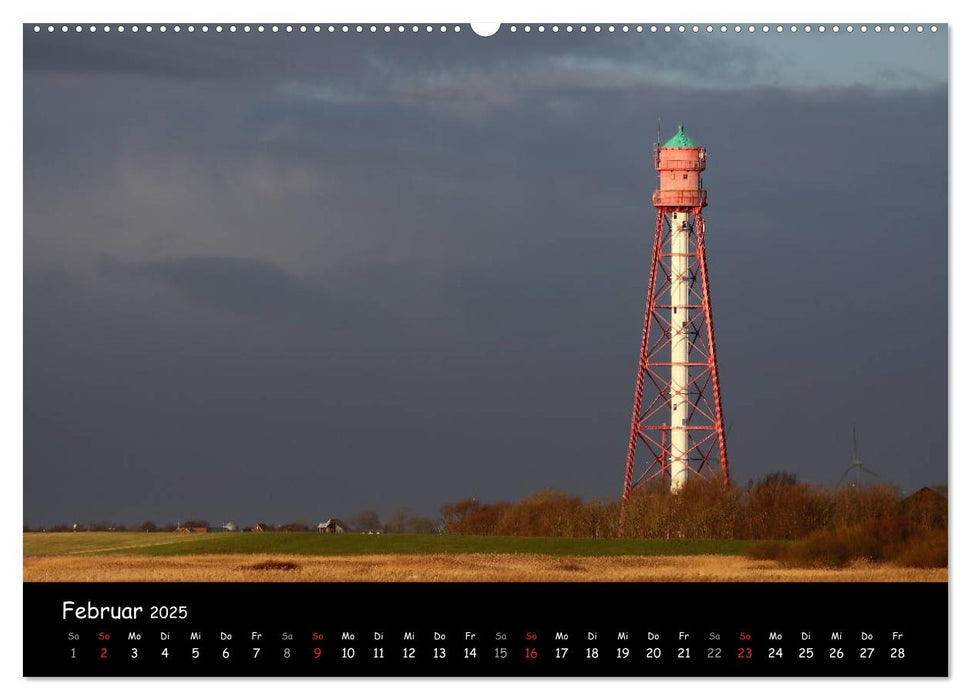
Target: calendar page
column 524, row 349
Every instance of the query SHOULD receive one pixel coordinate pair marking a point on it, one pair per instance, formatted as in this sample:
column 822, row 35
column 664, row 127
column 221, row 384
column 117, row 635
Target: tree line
column 778, row 507
column 401, row 521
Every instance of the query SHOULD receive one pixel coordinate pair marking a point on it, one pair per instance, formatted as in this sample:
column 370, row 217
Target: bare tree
column 367, row 520
column 397, row 521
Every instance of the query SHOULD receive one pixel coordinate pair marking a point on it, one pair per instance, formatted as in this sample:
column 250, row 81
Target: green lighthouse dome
column 680, row 140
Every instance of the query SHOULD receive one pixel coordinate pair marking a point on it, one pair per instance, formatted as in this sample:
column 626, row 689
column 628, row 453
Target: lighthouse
column 677, row 427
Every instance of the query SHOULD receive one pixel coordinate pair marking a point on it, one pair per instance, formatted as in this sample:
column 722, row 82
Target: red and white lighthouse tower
column 677, row 417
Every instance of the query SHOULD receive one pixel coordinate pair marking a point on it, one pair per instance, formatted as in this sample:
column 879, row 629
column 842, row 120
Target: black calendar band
column 486, row 629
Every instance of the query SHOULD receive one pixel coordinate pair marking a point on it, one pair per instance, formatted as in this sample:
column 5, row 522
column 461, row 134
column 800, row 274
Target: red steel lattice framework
column 679, row 201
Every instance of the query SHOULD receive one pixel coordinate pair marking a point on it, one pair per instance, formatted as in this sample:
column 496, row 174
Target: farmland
column 312, row 557
column 312, row 544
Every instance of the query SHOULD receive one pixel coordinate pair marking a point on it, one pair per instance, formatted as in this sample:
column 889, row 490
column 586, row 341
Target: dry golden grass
column 448, row 567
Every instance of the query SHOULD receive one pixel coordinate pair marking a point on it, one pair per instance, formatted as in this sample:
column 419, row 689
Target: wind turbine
column 857, row 464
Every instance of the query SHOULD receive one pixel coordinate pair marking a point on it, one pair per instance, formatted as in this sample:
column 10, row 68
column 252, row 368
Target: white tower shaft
column 678, row 451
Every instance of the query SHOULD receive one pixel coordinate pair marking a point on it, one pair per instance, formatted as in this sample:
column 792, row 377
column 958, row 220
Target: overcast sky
column 270, row 277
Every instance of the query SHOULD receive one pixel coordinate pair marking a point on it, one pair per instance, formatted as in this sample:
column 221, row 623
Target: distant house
column 926, row 507
column 231, row 527
column 259, row 527
column 189, row 530
column 331, row 525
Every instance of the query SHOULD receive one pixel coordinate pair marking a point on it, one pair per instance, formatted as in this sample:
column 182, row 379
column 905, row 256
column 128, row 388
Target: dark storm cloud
column 279, row 277
column 241, row 286
column 342, row 59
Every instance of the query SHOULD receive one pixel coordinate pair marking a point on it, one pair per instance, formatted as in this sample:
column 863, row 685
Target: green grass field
column 311, row 543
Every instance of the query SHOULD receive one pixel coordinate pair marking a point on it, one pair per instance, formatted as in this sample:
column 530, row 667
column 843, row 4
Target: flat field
column 167, row 544
column 353, row 557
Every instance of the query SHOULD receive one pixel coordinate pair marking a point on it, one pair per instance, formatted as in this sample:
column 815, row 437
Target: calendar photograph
column 433, row 304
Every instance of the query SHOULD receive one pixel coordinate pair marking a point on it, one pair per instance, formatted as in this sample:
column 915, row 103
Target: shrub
column 855, row 505
column 546, row 513
column 780, row 508
column 925, row 551
column 767, row 549
column 824, row 549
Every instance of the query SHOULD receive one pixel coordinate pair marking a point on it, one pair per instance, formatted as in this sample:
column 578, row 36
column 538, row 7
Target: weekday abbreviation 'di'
column 677, row 428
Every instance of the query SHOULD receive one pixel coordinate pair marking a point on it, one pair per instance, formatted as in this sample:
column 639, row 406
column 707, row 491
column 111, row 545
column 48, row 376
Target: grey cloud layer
column 307, row 277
